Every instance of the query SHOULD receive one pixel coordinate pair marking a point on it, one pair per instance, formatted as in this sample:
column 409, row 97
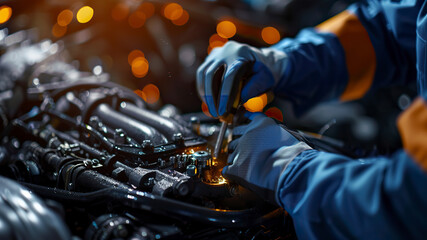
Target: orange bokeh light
column 226, row 29
column 216, row 41
column 84, row 14
column 173, row 11
column 120, row 11
column 137, row 19
column 5, row 13
column 133, row 55
column 65, row 17
column 275, row 113
column 141, row 94
column 58, row 31
column 147, row 8
column 152, row 93
column 140, row 67
column 256, row 104
column 270, row 35
column 182, row 20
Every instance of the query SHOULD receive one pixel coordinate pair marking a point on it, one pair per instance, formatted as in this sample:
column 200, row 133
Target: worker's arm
column 331, row 196
column 370, row 45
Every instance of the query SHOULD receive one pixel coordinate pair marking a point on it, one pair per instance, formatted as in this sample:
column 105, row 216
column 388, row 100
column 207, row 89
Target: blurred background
column 155, row 47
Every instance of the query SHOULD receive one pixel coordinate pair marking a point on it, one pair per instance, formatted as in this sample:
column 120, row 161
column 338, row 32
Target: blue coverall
column 374, row 43
column 370, row 45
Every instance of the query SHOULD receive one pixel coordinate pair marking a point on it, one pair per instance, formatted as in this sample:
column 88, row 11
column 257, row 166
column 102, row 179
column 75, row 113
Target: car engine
column 82, row 157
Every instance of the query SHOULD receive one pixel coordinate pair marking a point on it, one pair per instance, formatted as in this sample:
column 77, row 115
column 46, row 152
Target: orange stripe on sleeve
column 359, row 52
column 412, row 124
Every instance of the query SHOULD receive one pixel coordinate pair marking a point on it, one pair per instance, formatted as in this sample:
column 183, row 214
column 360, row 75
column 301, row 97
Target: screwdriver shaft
column 220, row 139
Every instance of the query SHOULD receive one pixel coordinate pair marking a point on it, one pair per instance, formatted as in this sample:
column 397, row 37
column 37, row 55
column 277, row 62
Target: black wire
column 164, row 206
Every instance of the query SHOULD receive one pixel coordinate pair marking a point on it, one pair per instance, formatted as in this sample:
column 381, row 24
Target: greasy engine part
column 110, row 166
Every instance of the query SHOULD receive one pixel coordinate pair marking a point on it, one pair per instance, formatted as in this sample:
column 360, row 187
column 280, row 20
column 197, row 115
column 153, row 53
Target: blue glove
column 268, row 67
column 261, row 155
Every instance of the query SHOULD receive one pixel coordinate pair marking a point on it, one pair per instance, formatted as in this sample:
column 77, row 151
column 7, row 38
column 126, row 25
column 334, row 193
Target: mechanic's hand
column 268, row 67
column 261, row 154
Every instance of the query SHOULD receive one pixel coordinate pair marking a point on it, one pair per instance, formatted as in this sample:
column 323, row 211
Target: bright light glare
column 84, row 14
column 134, row 54
column 182, row 20
column 256, row 104
column 270, row 35
column 173, row 11
column 152, row 92
column 140, row 67
column 64, row 18
column 5, row 13
column 226, row 29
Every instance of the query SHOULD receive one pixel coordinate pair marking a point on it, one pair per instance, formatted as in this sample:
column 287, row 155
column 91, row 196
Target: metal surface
column 133, row 127
column 220, row 139
column 119, row 170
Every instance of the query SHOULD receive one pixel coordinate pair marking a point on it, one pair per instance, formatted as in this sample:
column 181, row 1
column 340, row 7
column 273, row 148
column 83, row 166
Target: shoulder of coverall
column 399, row 17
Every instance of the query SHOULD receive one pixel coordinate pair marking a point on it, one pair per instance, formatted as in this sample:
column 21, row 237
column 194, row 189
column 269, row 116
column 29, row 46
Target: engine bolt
column 177, row 138
column 191, row 170
column 182, row 188
column 161, row 162
column 119, row 136
column 147, row 146
column 150, row 182
column 203, row 158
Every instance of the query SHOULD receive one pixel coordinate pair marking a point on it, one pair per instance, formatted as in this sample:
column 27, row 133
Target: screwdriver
column 234, row 101
column 221, row 134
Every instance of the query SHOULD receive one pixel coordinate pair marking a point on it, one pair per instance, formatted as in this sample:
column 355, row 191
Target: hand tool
column 234, row 100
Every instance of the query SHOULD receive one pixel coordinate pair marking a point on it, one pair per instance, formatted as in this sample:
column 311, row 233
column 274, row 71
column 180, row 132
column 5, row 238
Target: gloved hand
column 261, row 154
column 268, row 67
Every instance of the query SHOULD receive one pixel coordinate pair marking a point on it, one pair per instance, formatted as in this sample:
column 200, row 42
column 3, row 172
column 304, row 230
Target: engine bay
column 104, row 136
column 101, row 165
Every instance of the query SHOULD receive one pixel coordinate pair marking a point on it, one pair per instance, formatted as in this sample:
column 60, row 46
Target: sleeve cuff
column 285, row 155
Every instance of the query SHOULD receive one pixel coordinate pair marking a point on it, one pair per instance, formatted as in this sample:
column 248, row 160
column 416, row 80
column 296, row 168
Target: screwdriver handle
column 242, row 76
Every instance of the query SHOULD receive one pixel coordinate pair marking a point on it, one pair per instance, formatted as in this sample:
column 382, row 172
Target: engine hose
column 166, row 126
column 145, row 201
column 164, row 206
column 135, row 129
column 109, row 132
column 93, row 181
column 126, row 94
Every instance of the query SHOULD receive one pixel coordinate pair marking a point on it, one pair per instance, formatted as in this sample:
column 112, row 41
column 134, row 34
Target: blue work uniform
column 370, row 45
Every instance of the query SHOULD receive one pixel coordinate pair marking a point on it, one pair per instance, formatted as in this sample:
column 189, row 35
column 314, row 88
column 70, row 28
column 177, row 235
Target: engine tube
column 165, row 126
column 133, row 128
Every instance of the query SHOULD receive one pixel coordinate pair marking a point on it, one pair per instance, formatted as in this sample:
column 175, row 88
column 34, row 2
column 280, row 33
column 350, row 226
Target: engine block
column 104, row 166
